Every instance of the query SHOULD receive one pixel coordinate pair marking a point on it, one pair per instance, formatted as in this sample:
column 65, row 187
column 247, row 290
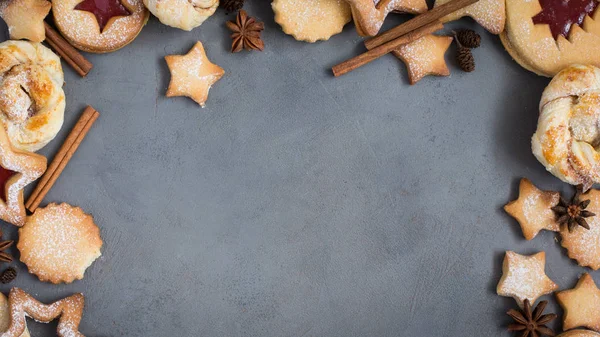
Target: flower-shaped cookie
column 59, row 242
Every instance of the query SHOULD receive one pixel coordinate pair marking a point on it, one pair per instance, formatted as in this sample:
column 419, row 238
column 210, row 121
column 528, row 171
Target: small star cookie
column 69, row 311
column 583, row 245
column 311, row 20
column 524, row 278
column 368, row 17
column 404, row 6
column 490, row 14
column 192, row 74
column 581, row 305
column 533, row 209
column 25, row 18
column 425, row 56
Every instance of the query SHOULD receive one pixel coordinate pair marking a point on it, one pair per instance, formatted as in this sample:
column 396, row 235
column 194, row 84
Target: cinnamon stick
column 79, row 63
column 377, row 52
column 418, row 21
column 61, row 159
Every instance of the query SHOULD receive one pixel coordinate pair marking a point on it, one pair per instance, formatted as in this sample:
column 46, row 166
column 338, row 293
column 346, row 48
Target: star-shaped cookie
column 581, row 305
column 192, row 74
column 368, row 17
column 524, row 277
column 533, row 209
column 25, row 18
column 425, row 56
column 583, row 245
column 17, row 169
column 22, row 305
column 490, row 14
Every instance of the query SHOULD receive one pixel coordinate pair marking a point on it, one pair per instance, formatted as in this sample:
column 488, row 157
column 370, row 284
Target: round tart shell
column 81, row 28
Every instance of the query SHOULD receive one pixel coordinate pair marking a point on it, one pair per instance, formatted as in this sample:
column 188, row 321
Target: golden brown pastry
column 32, row 101
column 59, row 242
column 568, row 131
column 99, row 26
column 182, row 14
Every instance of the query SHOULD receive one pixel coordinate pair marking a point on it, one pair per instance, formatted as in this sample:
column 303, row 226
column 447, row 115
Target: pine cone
column 8, row 275
column 232, row 6
column 468, row 38
column 465, row 58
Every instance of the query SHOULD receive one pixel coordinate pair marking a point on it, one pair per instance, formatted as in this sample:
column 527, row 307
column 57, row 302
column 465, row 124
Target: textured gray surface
column 297, row 204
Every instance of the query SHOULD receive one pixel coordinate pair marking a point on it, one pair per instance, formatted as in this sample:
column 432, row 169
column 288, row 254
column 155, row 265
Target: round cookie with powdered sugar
column 59, row 242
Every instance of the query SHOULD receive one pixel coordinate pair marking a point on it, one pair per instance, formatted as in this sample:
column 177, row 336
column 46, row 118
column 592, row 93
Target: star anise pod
column 531, row 323
column 573, row 213
column 246, row 33
column 4, row 256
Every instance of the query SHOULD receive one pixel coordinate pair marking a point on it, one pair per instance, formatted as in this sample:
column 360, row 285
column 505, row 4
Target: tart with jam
column 546, row 36
column 99, row 26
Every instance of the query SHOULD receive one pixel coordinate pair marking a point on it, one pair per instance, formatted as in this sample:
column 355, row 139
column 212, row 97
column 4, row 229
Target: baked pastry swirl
column 32, row 101
column 567, row 139
column 182, row 14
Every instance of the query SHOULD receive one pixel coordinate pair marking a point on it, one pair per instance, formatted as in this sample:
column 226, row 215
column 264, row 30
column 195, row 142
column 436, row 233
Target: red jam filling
column 561, row 15
column 103, row 10
column 4, row 176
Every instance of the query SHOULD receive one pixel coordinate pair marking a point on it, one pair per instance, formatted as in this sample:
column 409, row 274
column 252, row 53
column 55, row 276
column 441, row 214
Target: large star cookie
column 524, row 277
column 583, row 244
column 192, row 74
column 490, row 14
column 25, row 18
column 425, row 56
column 369, row 17
column 533, row 209
column 17, row 169
column 581, row 305
column 22, row 305
column 5, row 316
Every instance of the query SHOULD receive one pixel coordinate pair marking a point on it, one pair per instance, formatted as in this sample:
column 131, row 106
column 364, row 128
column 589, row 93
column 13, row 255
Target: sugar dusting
column 584, row 245
column 68, row 310
column 82, row 27
column 524, row 277
column 425, row 56
column 59, row 242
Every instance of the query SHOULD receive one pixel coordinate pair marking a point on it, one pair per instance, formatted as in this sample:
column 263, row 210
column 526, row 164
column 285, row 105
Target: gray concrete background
column 297, row 204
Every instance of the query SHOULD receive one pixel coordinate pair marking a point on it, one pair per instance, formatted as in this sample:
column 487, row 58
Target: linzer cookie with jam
column 99, row 26
column 547, row 36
